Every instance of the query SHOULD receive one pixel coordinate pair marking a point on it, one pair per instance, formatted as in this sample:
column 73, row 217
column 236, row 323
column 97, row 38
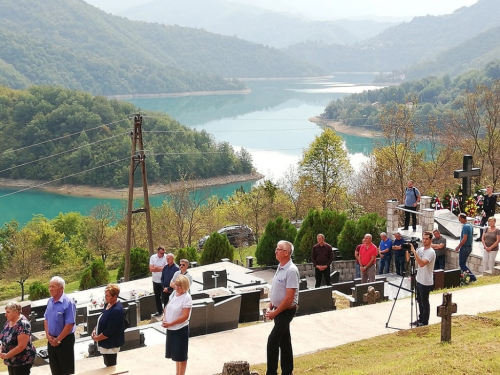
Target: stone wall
column 346, row 268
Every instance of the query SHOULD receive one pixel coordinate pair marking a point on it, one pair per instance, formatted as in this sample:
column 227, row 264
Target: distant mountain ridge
column 75, row 45
column 409, row 43
column 252, row 23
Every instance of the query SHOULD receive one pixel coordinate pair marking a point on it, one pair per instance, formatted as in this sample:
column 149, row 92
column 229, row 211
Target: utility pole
column 137, row 158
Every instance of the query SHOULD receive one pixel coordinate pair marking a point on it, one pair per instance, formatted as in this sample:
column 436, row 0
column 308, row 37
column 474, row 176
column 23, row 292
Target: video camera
column 414, row 241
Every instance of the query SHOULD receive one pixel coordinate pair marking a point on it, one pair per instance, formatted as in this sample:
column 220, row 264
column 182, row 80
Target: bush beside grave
column 216, row 247
column 275, row 231
column 95, row 275
column 38, row 290
column 139, row 264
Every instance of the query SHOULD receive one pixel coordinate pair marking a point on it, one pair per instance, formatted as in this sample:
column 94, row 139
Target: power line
column 62, row 178
column 62, row 152
column 62, row 137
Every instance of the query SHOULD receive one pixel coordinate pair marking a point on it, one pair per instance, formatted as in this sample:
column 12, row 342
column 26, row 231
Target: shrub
column 216, row 248
column 275, row 231
column 188, row 253
column 38, row 290
column 94, row 275
column 139, row 264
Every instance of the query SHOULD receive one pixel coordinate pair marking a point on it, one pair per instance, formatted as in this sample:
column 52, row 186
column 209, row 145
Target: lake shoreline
column 340, row 127
column 179, row 94
column 84, row 191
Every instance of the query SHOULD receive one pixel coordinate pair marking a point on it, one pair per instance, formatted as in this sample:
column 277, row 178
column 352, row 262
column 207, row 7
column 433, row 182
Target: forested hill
column 75, row 45
column 436, row 97
column 52, row 133
column 408, row 43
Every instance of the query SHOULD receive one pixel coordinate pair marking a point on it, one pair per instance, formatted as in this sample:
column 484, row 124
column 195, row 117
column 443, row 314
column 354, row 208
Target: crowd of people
column 172, row 282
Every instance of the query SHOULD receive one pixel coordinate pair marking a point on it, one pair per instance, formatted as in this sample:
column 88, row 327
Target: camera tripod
column 412, row 291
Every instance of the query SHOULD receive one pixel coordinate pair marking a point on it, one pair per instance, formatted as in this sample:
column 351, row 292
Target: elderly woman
column 491, row 238
column 176, row 321
column 18, row 353
column 109, row 333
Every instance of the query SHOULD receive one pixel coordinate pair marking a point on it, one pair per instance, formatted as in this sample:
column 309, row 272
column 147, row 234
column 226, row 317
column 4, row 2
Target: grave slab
column 448, row 223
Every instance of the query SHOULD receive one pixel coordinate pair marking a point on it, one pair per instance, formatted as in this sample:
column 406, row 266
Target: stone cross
column 444, row 312
column 372, row 296
column 466, row 175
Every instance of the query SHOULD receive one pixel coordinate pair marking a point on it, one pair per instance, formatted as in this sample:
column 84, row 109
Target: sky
column 330, row 9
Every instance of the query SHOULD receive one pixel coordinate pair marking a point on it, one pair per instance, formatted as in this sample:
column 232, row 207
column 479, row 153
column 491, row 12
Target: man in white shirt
column 156, row 264
column 425, row 257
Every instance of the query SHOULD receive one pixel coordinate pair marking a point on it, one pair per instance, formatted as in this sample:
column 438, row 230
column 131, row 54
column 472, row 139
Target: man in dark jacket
column 489, row 206
column 166, row 277
column 322, row 258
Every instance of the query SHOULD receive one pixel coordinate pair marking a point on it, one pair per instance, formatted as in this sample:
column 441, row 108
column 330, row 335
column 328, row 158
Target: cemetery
column 226, row 294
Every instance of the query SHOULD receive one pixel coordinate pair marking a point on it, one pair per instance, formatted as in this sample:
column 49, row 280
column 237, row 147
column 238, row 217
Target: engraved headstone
column 444, row 312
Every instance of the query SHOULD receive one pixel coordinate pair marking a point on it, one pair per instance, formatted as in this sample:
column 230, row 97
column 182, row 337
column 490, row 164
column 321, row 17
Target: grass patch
column 473, row 350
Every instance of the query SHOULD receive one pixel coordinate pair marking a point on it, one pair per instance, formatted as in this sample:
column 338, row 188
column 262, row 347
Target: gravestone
column 438, row 279
column 345, row 287
column 214, row 279
column 448, row 223
column 147, row 306
column 250, row 305
column 360, row 290
column 452, row 278
column 303, row 284
column 372, row 296
column 312, row 301
column 444, row 312
column 334, row 277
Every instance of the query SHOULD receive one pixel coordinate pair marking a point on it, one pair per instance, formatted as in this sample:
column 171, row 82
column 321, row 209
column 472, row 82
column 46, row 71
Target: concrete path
column 311, row 333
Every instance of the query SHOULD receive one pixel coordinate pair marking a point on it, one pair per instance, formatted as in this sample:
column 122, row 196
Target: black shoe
column 157, row 314
column 405, row 228
column 421, row 324
column 415, row 323
column 478, row 240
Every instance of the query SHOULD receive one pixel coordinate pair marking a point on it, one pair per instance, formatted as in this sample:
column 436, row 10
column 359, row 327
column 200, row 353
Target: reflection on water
column 272, row 121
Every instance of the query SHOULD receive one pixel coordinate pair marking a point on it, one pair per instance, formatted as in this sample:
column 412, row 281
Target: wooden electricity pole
column 137, row 158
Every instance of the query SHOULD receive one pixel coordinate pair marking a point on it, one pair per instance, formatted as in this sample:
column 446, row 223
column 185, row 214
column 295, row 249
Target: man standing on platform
column 322, row 258
column 367, row 259
column 412, row 198
column 465, row 245
column 156, row 263
column 439, row 246
column 489, row 206
column 59, row 324
column 424, row 258
column 166, row 277
column 283, row 302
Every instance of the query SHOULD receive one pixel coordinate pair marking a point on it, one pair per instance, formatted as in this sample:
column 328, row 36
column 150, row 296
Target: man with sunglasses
column 284, row 297
column 156, row 263
column 183, row 265
column 425, row 258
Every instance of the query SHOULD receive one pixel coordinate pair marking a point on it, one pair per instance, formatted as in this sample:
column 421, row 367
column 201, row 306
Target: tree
column 275, row 231
column 94, row 275
column 188, row 253
column 479, row 124
column 139, row 264
column 24, row 259
column 348, row 240
column 38, row 290
column 326, row 166
column 216, row 247
column 100, row 233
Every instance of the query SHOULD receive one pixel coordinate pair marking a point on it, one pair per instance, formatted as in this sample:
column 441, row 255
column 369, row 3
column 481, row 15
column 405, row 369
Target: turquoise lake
column 272, row 122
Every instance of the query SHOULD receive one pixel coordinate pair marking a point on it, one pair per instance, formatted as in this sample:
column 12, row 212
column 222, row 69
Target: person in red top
column 367, row 259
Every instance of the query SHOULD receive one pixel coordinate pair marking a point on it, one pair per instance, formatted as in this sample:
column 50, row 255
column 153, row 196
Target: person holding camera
column 425, row 257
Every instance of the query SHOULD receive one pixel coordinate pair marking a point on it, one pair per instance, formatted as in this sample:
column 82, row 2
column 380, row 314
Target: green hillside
column 75, row 45
column 435, row 95
column 53, row 133
column 406, row 44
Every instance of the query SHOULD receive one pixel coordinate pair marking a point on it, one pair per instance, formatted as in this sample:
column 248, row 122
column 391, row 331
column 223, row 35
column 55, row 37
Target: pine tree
column 216, row 247
column 276, row 230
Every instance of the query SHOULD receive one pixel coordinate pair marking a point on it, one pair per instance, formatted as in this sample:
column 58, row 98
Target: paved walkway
column 311, row 333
